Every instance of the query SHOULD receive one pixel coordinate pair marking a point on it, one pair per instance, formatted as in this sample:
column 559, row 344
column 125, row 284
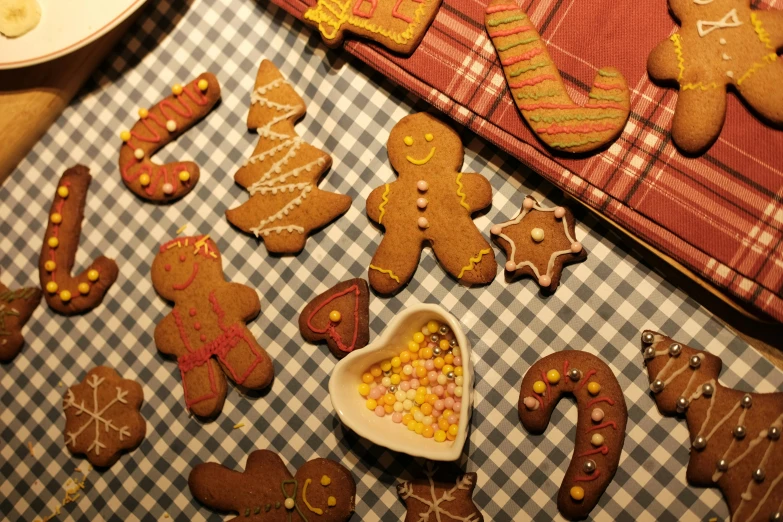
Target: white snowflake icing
column 96, row 416
column 463, row 483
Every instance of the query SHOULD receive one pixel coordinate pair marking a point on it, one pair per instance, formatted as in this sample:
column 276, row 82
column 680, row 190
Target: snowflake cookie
column 442, row 497
column 102, row 416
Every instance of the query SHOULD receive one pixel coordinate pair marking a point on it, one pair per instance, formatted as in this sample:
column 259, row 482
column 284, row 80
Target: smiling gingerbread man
column 721, row 43
column 430, row 203
column 206, row 330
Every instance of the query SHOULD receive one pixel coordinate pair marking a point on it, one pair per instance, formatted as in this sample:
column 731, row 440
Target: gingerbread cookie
column 321, row 491
column 539, row 242
column 540, row 94
column 156, row 128
column 721, row 43
column 600, row 425
column 102, row 416
column 282, row 175
column 340, row 316
column 396, row 24
column 442, row 496
column 735, row 436
column 206, row 330
column 16, row 307
column 63, row 293
column 430, row 203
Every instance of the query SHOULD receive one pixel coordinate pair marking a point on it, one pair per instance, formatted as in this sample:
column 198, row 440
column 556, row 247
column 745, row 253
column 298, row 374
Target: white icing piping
column 280, row 214
column 747, row 496
column 766, row 496
column 279, row 230
column 717, row 475
column 96, row 415
column 712, row 403
column 730, row 20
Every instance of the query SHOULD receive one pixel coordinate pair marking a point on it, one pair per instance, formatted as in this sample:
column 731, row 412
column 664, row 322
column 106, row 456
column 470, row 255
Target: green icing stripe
column 608, row 74
column 532, row 67
column 578, row 117
column 536, row 95
column 518, row 42
column 515, row 18
column 608, row 98
column 570, row 144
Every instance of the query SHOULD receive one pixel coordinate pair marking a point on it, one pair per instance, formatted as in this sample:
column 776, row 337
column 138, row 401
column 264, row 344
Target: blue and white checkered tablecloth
column 601, row 305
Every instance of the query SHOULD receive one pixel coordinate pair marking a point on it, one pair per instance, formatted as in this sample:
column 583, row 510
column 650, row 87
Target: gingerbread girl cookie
column 206, row 330
column 430, row 203
column 156, row 128
column 282, row 175
column 64, row 293
column 321, row 491
column 600, row 424
column 735, row 435
column 721, row 43
column 16, row 307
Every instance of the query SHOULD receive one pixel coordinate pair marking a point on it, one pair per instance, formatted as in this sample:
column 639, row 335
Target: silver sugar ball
column 746, row 402
column 695, row 361
column 657, row 386
column 759, row 475
column 589, row 466
column 392, row 389
column 649, row 353
column 434, row 338
column 776, row 517
column 723, row 465
column 450, row 376
column 739, row 432
column 700, row 442
column 648, row 337
column 773, row 433
column 574, row 374
column 443, row 330
column 708, row 389
column 387, row 373
column 436, row 351
column 453, row 343
column 682, row 404
column 675, row 350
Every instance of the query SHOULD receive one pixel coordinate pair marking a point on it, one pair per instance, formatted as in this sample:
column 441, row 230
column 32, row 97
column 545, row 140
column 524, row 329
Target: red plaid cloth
column 720, row 214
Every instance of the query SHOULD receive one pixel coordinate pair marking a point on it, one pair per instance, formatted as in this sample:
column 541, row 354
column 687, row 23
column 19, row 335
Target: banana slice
column 18, row 16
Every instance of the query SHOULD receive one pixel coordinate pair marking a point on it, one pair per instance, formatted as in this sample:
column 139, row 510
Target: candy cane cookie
column 156, row 128
column 66, row 294
column 600, row 425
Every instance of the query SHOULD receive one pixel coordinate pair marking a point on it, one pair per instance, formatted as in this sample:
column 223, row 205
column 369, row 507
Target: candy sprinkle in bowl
column 359, row 410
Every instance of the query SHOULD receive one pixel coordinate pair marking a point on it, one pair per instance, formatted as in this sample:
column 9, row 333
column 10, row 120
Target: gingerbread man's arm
column 239, row 301
column 662, row 63
column 167, row 337
column 772, row 22
column 474, row 190
column 376, row 202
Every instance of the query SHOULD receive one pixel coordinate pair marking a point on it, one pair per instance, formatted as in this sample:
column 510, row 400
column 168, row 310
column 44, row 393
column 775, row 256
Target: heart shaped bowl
column 350, row 405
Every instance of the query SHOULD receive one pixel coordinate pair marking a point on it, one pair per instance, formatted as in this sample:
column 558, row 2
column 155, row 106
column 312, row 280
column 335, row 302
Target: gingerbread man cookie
column 721, row 43
column 443, row 496
column 539, row 242
column 65, row 294
column 430, row 203
column 735, row 435
column 282, row 175
column 206, row 330
column 16, row 307
column 102, row 416
column 156, row 128
column 321, row 491
column 540, row 94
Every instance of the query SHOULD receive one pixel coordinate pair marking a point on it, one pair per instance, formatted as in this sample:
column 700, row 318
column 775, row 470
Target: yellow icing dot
column 49, row 266
column 184, row 176
column 125, row 135
column 65, row 295
column 553, row 376
column 335, row 316
column 429, row 137
column 325, row 480
column 408, row 141
column 593, row 388
column 176, row 89
column 56, row 218
column 144, row 179
column 539, row 387
column 577, row 493
column 53, row 242
column 331, row 501
column 143, row 113
column 203, row 85
column 51, row 287
column 63, row 192
column 84, row 288
column 93, row 275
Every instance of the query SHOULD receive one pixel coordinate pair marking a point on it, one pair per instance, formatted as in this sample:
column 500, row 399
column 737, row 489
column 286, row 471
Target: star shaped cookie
column 539, row 242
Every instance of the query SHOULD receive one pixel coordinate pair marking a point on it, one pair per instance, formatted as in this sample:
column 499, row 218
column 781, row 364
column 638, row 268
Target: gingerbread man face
column 183, row 263
column 421, row 144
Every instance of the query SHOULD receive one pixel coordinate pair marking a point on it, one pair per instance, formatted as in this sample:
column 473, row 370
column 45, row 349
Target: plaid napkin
column 720, row 214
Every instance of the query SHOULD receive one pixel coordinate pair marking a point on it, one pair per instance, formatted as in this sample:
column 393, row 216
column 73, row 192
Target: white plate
column 65, row 26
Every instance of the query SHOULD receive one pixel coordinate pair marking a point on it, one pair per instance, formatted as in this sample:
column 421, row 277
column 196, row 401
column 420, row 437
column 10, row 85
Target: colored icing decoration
column 16, row 307
column 156, row 128
column 56, row 262
column 444, row 495
column 598, row 447
column 729, row 20
column 397, row 24
column 325, row 480
column 283, row 172
column 531, row 74
column 537, row 234
column 339, row 316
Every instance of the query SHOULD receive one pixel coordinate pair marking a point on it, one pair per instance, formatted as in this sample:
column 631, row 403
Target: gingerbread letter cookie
column 63, row 293
column 600, row 425
column 16, row 307
column 156, row 128
column 721, row 43
column 206, row 330
column 396, row 24
column 282, row 175
column 539, row 242
column 540, row 94
column 321, row 491
column 102, row 416
column 442, row 496
column 340, row 316
column 430, row 203
column 735, row 435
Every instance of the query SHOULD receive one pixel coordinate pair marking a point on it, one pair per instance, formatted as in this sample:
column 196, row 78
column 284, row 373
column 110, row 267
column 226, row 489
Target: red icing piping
column 539, row 399
column 178, row 241
column 531, row 81
column 588, row 478
column 535, row 106
column 219, row 312
column 600, row 399
column 613, row 424
column 589, row 374
column 603, row 450
column 187, row 283
column 330, row 327
column 500, row 8
column 606, row 86
column 532, row 53
column 357, row 8
column 548, row 388
column 585, row 128
column 509, row 32
column 565, row 368
column 397, row 14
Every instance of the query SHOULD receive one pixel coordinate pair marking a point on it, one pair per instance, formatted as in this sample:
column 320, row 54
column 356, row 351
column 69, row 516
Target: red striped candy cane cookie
column 600, row 425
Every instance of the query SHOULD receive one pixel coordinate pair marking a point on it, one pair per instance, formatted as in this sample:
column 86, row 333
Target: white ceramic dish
column 65, row 26
column 347, row 376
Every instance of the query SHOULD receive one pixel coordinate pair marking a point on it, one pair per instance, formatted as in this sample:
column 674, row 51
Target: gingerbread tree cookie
column 102, row 416
column 539, row 92
column 539, row 242
column 430, row 203
column 441, row 497
column 282, row 175
column 206, row 330
column 16, row 307
column 721, row 43
column 321, row 491
column 735, row 435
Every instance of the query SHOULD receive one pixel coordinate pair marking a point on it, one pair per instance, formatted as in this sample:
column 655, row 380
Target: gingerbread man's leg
column 465, row 254
column 395, row 261
column 758, row 87
column 205, row 388
column 698, row 118
column 247, row 363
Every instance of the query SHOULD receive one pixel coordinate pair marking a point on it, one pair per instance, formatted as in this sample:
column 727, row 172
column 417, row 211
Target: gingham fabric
column 601, row 305
column 720, row 214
